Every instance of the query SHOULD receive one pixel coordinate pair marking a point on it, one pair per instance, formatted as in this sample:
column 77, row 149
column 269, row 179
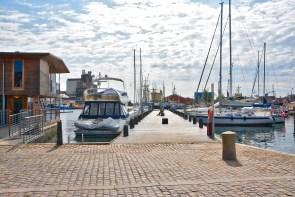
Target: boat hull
column 104, row 126
column 239, row 121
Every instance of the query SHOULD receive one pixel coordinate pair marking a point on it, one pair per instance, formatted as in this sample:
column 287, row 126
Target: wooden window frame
column 23, row 74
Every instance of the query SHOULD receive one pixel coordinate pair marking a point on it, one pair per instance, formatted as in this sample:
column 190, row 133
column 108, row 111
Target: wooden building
column 29, row 78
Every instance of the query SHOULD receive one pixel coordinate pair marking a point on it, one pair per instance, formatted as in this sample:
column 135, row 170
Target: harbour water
column 279, row 137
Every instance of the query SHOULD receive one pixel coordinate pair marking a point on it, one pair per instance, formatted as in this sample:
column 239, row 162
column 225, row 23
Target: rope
column 208, row 54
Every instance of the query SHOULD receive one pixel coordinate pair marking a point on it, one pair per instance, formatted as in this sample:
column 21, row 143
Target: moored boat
column 105, row 110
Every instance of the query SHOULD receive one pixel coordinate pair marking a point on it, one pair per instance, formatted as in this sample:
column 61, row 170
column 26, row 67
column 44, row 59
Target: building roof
column 74, row 79
column 57, row 64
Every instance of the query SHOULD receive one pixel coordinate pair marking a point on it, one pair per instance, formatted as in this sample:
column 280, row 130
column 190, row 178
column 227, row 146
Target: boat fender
column 231, row 117
column 244, row 117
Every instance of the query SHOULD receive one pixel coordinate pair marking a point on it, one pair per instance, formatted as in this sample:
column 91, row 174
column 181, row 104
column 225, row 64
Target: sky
column 174, row 36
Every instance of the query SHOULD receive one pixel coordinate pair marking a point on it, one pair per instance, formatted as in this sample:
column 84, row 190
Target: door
column 17, row 104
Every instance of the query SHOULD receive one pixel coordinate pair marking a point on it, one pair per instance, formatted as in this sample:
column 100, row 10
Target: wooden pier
column 150, row 130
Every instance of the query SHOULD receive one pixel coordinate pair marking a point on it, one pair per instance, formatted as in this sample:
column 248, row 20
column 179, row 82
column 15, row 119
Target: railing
column 16, row 122
column 4, row 118
column 20, row 123
column 32, row 128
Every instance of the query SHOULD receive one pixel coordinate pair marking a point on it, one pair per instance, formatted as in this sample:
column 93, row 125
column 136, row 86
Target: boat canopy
column 108, row 94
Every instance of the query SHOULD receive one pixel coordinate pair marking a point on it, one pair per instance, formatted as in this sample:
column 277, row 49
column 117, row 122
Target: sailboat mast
column 258, row 72
column 264, row 50
column 230, row 55
column 220, row 69
column 140, row 75
column 134, row 76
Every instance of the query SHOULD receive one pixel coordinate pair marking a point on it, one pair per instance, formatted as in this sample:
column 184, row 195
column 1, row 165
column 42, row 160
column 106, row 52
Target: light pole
column 3, row 93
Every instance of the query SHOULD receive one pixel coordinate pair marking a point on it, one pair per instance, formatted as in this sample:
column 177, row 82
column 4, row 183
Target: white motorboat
column 105, row 110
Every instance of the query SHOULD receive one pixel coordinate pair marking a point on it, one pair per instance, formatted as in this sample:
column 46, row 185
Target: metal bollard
column 125, row 131
column 228, row 145
column 189, row 118
column 201, row 123
column 68, row 139
column 131, row 123
column 185, row 116
column 82, row 137
column 194, row 120
column 136, row 120
column 59, row 140
column 164, row 120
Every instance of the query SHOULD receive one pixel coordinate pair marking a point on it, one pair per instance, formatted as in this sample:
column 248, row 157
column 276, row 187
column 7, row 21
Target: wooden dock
column 150, row 130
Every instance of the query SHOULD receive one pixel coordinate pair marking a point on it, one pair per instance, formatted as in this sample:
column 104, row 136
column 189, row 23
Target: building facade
column 28, row 79
column 77, row 86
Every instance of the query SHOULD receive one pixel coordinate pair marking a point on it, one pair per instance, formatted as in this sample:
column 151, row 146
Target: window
column 93, row 109
column 109, row 109
column 101, row 109
column 18, row 73
column 86, row 109
column 117, row 109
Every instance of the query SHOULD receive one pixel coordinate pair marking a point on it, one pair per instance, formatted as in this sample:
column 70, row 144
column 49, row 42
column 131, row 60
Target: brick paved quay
column 149, row 169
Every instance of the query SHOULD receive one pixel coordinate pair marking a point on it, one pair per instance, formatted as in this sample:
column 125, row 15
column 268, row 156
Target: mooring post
column 68, row 139
column 194, row 120
column 82, row 137
column 59, row 140
column 164, row 120
column 201, row 123
column 131, row 123
column 125, row 131
column 229, row 145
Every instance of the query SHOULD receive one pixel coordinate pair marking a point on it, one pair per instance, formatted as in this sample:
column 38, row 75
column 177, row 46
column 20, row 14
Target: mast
column 264, row 50
column 258, row 73
column 134, row 76
column 163, row 91
column 220, row 69
column 140, row 82
column 230, row 55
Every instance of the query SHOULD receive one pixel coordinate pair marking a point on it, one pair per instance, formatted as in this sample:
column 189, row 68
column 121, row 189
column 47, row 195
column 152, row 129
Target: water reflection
column 279, row 137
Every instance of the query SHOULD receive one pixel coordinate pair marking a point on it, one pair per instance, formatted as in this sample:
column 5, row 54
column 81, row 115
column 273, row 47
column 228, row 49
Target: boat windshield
column 109, row 83
column 103, row 109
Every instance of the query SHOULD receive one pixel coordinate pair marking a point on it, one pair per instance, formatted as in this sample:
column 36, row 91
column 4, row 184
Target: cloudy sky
column 174, row 36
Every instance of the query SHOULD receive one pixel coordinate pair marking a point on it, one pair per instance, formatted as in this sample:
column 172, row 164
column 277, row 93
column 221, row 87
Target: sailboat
column 234, row 118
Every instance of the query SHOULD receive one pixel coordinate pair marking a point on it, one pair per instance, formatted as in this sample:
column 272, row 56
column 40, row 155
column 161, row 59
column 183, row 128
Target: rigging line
column 248, row 38
column 208, row 54
column 215, row 56
column 256, row 74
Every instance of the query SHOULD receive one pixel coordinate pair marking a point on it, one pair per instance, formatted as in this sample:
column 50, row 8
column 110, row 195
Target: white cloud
column 174, row 37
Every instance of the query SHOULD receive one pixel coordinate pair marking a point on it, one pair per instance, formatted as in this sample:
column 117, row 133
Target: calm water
column 279, row 137
column 68, row 127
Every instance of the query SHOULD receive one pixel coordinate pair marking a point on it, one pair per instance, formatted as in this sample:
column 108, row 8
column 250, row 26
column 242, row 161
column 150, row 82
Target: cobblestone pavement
column 143, row 170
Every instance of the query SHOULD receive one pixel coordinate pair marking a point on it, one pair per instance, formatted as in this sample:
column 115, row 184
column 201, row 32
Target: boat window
column 86, row 109
column 109, row 109
column 101, row 109
column 117, row 109
column 93, row 109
